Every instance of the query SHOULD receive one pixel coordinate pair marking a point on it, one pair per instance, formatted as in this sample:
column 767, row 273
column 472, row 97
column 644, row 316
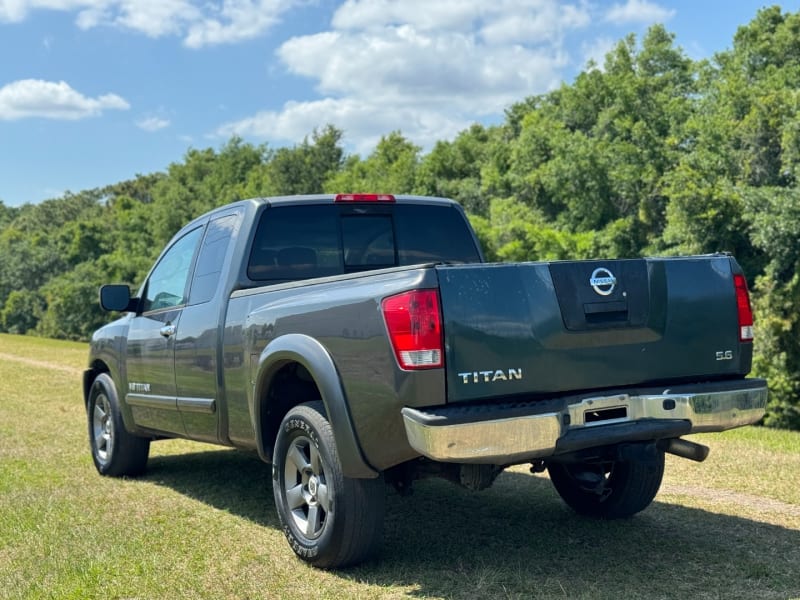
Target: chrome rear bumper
column 514, row 432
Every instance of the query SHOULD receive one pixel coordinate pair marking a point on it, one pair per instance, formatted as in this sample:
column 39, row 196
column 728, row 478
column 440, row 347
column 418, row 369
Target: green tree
column 72, row 310
column 704, row 213
column 513, row 232
column 774, row 215
column 204, row 180
column 302, row 169
column 593, row 156
column 391, row 168
column 40, row 243
column 455, row 169
column 21, row 311
column 7, row 214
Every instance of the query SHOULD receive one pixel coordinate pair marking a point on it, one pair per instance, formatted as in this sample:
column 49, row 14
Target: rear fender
column 314, row 357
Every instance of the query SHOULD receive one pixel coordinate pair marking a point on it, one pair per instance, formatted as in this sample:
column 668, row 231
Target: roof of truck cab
column 254, row 203
column 319, row 198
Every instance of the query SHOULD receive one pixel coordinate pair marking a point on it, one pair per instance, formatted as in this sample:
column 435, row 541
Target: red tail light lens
column 363, row 198
column 744, row 308
column 415, row 328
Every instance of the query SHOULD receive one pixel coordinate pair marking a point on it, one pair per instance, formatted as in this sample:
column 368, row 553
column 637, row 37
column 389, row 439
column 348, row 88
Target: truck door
column 198, row 376
column 150, row 361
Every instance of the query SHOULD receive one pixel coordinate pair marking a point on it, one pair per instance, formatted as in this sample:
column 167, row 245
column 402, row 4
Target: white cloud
column 454, row 15
column 362, row 120
column 154, row 18
column 152, row 123
column 428, row 68
column 14, row 11
column 47, row 99
column 540, row 23
column 499, row 21
column 11, row 11
column 638, row 11
column 450, row 69
column 198, row 23
column 237, row 20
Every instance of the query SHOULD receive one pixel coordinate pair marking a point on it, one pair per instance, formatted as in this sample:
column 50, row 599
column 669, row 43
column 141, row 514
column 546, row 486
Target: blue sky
column 93, row 92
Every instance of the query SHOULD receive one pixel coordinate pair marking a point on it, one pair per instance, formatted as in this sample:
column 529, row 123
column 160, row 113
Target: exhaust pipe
column 684, row 449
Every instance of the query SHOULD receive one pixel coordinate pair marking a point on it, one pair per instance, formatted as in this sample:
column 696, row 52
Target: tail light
column 744, row 309
column 415, row 328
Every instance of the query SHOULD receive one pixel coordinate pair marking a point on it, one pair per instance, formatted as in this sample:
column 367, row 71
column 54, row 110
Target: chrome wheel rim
column 306, row 488
column 102, row 429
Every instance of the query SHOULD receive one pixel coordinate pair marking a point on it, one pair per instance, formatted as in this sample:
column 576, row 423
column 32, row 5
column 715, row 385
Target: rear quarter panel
column 344, row 315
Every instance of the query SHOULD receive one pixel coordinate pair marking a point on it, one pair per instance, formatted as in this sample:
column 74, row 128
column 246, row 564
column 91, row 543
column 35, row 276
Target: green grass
column 201, row 523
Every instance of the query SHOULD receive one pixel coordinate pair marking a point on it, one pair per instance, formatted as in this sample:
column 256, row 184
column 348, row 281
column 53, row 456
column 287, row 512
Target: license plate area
column 604, row 410
column 605, row 414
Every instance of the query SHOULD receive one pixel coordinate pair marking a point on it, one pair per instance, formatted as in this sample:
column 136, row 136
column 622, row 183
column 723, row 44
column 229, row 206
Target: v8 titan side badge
column 139, row 387
column 603, row 281
column 490, row 376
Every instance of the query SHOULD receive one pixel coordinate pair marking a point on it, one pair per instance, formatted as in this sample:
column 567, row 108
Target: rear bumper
column 515, row 432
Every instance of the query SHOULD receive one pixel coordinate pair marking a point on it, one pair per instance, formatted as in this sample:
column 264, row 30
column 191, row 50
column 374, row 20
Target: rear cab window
column 319, row 240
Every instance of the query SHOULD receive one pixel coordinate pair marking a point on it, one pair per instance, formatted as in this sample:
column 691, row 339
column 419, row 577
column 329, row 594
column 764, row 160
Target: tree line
column 651, row 153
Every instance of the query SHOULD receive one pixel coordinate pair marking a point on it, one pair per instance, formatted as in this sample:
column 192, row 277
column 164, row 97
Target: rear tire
column 608, row 490
column 329, row 520
column 115, row 451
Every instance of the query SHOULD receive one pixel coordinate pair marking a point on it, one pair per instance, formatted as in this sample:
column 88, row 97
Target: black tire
column 115, row 451
column 329, row 520
column 610, row 490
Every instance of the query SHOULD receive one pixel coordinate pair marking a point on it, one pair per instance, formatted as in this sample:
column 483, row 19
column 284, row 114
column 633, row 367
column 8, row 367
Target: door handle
column 167, row 330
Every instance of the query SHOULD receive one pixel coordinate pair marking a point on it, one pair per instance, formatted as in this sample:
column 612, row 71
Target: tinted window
column 300, row 242
column 368, row 241
column 211, row 259
column 296, row 242
column 433, row 234
column 167, row 283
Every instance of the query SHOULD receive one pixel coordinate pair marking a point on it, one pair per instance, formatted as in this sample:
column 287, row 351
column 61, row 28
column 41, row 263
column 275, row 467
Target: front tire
column 115, row 451
column 609, row 490
column 329, row 520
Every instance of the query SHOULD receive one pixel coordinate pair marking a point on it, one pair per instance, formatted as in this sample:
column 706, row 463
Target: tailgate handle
column 599, row 313
column 594, row 308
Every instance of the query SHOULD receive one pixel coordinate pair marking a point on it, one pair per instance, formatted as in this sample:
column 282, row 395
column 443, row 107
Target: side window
column 167, row 283
column 211, row 259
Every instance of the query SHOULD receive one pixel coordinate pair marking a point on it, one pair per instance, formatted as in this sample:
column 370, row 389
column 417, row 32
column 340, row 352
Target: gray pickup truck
column 357, row 340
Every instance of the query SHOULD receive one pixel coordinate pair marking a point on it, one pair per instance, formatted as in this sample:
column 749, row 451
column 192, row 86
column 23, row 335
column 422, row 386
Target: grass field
column 201, row 523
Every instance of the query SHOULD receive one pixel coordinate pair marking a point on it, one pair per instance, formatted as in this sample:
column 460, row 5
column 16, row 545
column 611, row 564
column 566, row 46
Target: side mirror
column 117, row 297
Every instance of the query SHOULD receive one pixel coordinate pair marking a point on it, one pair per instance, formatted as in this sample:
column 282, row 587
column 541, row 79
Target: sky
column 93, row 92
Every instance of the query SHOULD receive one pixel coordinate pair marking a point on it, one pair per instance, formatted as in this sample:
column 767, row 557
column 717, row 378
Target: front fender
column 106, row 355
column 308, row 352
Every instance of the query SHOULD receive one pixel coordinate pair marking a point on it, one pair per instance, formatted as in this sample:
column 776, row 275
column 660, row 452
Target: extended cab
column 354, row 340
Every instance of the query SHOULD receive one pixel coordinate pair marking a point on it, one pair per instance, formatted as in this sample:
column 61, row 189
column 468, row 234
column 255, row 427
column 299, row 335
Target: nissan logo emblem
column 603, row 281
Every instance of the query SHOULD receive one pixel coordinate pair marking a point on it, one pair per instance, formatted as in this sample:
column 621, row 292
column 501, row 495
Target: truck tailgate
column 545, row 328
